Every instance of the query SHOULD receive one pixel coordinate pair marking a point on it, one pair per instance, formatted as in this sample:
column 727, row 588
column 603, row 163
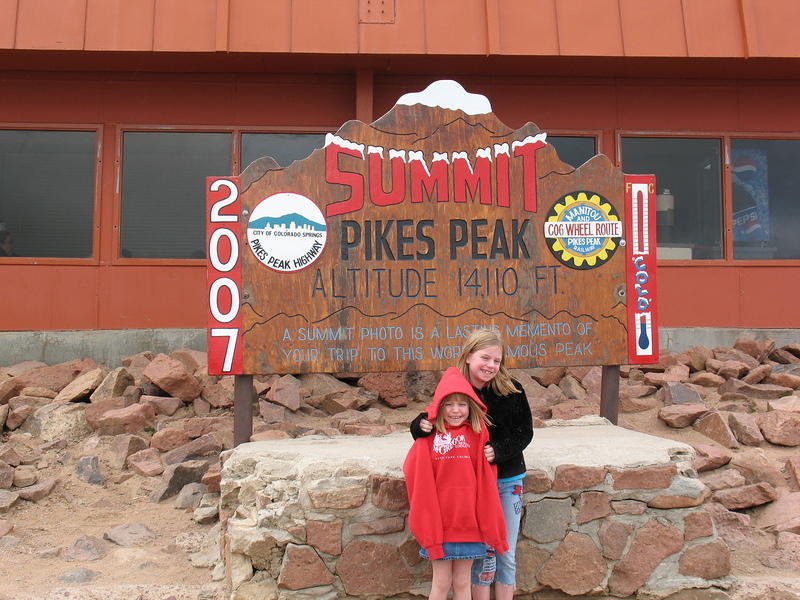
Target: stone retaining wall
column 606, row 511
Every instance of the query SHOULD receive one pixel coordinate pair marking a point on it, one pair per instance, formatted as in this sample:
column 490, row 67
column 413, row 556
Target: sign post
column 383, row 250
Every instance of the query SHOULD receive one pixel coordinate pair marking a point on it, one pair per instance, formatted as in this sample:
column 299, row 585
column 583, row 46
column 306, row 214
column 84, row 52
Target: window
column 689, row 201
column 573, row 150
column 163, row 191
column 47, row 180
column 283, row 147
column 765, row 180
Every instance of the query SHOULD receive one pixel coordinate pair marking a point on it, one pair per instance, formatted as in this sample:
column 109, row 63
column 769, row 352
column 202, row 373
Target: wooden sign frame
column 384, row 249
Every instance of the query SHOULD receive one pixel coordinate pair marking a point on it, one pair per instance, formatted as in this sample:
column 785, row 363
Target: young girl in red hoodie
column 455, row 510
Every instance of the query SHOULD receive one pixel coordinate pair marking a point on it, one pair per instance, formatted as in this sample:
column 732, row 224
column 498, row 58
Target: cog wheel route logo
column 583, row 230
column 286, row 232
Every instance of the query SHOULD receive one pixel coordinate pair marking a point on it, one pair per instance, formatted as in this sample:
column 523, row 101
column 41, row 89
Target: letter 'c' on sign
column 213, row 297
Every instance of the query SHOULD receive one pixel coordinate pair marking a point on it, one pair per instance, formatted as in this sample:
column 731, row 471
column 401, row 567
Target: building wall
column 109, row 292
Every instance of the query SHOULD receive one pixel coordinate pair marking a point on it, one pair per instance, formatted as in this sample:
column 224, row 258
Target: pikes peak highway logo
column 286, row 232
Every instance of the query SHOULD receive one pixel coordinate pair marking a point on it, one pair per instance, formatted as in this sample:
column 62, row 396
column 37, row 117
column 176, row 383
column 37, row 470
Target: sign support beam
column 609, row 393
column 243, row 397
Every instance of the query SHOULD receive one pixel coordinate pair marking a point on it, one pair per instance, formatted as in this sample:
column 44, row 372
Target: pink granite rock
column 697, row 524
column 682, row 415
column 169, row 439
column 575, row 409
column 537, row 481
column 727, row 478
column 643, row 478
column 131, row 419
column 576, row 567
column 325, row 536
column 758, row 349
column 55, row 377
column 780, row 427
column 710, row 456
column 787, row 403
column 591, row 506
column 575, row 477
column 34, row 493
column 163, row 405
column 372, row 568
column 390, row 387
column 389, row 493
column 706, row 379
column 746, row 496
column 709, row 561
column 146, row 462
column 784, row 379
column 756, row 467
column 652, row 543
column 613, row 537
column 171, row 376
column 785, row 554
column 745, row 429
column 123, row 445
column 303, row 568
column 286, row 392
column 547, row 376
column 714, row 425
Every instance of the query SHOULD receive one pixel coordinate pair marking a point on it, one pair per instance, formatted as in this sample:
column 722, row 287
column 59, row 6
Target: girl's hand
column 426, row 425
column 488, row 452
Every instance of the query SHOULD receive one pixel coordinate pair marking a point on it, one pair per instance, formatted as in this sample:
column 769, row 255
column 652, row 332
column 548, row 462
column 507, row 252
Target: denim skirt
column 459, row 551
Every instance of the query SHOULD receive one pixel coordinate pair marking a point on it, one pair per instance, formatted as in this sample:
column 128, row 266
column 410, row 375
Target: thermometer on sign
column 644, row 342
column 644, row 339
column 641, row 225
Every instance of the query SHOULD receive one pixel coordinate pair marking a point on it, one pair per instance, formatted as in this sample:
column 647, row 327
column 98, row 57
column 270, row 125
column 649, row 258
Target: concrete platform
column 588, row 442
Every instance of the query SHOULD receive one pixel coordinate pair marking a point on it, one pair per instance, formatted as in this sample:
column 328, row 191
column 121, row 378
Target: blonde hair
column 502, row 383
column 477, row 416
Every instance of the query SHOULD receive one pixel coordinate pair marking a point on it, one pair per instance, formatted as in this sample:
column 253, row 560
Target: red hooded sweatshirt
column 452, row 488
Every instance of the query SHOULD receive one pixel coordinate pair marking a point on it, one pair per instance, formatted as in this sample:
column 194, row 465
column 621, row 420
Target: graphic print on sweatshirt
column 445, row 442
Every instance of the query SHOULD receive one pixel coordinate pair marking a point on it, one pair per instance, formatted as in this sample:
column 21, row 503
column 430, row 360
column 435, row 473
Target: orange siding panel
column 143, row 297
column 555, row 106
column 456, row 27
column 659, row 107
column 773, row 28
column 258, row 26
column 405, row 35
column 8, row 23
column 769, row 296
column 653, row 28
column 714, row 28
column 766, row 110
column 330, row 26
column 313, row 102
column 528, row 27
column 699, row 297
column 589, row 28
column 49, row 297
column 168, row 103
column 185, row 26
column 119, row 24
column 58, row 100
column 48, row 25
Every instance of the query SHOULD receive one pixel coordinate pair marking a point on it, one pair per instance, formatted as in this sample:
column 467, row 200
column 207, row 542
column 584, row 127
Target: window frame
column 94, row 258
column 236, row 133
column 725, row 138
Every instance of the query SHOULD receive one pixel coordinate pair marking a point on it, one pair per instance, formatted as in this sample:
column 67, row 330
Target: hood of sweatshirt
column 452, row 381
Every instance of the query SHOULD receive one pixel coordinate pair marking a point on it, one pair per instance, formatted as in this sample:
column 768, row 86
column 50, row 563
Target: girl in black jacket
column 510, row 432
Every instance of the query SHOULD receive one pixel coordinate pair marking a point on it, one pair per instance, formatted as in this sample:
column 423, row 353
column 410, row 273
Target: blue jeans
column 506, row 564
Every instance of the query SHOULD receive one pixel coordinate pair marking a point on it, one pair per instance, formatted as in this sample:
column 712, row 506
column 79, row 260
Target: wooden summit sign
column 386, row 248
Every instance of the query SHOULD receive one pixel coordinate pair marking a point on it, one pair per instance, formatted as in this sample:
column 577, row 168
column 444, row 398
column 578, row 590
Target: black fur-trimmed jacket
column 510, row 432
